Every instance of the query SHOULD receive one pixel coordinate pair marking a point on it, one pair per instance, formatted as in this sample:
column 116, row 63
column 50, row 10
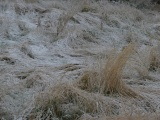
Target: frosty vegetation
column 79, row 60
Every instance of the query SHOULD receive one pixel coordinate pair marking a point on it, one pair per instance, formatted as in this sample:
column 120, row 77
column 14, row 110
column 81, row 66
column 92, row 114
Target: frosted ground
column 46, row 43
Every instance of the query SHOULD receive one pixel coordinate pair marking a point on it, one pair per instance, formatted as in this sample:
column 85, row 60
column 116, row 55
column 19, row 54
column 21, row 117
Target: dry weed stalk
column 109, row 79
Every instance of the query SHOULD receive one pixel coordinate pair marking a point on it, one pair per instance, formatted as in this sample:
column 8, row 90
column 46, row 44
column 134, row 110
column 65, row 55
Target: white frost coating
column 33, row 54
column 39, row 50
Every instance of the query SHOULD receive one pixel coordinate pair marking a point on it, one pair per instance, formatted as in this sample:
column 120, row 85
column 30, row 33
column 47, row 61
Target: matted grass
column 66, row 101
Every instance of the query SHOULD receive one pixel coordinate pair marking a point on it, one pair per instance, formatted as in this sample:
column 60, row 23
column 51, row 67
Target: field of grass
column 79, row 60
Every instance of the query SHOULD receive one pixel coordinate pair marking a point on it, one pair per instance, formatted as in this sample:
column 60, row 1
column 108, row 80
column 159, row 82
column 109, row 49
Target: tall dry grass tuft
column 113, row 73
column 109, row 79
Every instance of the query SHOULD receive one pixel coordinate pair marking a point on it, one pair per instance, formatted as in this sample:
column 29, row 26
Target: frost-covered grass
column 79, row 60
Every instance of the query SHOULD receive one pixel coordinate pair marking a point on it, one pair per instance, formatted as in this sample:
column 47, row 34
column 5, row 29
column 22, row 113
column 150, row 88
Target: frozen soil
column 50, row 42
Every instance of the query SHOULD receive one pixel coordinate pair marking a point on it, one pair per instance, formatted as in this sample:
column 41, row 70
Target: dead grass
column 62, row 22
column 5, row 115
column 88, row 6
column 7, row 59
column 154, row 116
column 141, row 63
column 21, row 8
column 154, row 59
column 145, row 61
column 97, row 90
column 72, row 9
column 66, row 101
column 109, row 79
column 25, row 49
column 108, row 10
column 31, row 1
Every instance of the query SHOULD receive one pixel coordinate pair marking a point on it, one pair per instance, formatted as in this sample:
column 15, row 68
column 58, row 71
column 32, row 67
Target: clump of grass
column 32, row 80
column 89, row 37
column 87, row 6
column 31, row 1
column 21, row 8
column 5, row 115
column 50, row 105
column 66, row 101
column 130, row 116
column 86, row 9
column 141, row 62
column 113, row 73
column 109, row 79
column 154, row 59
column 62, row 22
column 7, row 59
column 64, row 19
column 129, row 13
column 73, row 7
column 25, row 49
column 145, row 61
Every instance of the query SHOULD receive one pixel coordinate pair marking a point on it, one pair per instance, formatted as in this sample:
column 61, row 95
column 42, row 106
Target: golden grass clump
column 66, row 101
column 109, row 79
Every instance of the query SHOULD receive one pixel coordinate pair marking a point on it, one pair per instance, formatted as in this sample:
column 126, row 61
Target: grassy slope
column 78, row 60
